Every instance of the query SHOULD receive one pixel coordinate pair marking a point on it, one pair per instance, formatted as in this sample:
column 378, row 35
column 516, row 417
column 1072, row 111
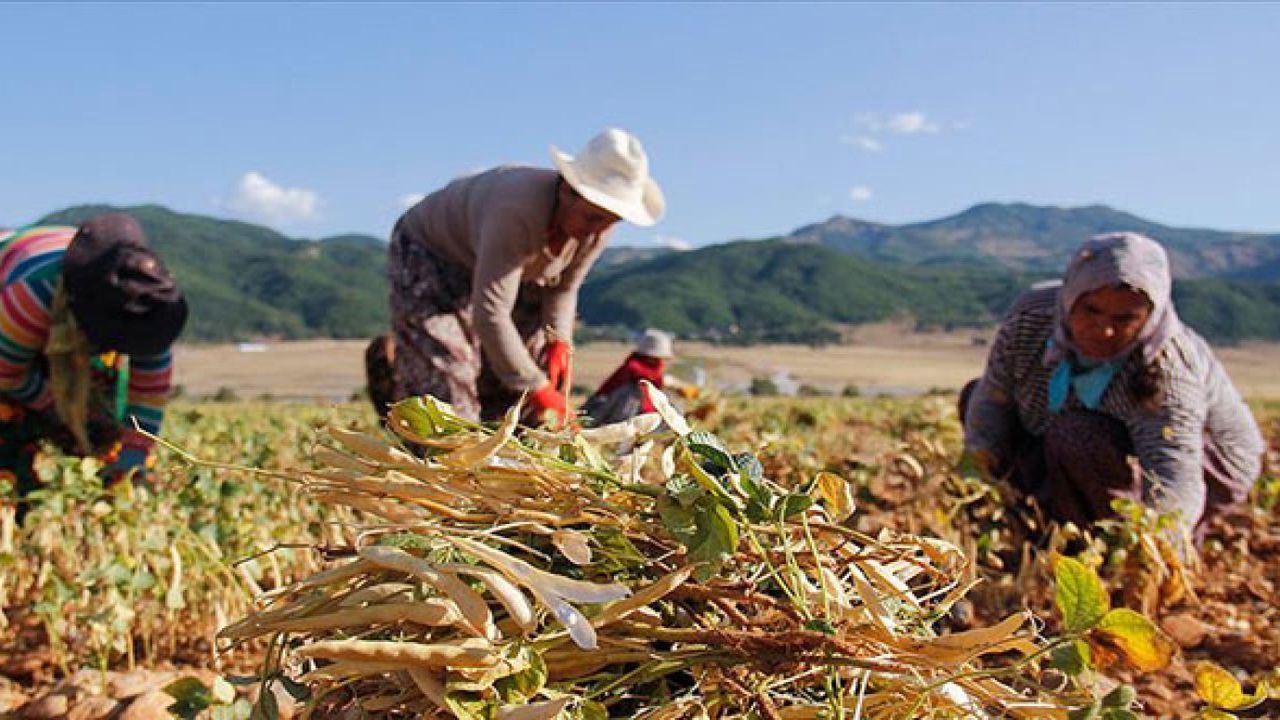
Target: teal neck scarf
column 1089, row 381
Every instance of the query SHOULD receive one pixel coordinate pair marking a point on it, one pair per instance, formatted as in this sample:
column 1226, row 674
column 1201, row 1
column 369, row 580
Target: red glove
column 548, row 399
column 558, row 360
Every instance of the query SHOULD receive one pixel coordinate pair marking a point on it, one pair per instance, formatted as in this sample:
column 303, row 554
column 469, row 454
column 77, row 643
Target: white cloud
column 860, row 193
column 873, row 127
column 257, row 198
column 411, row 199
column 672, row 242
column 865, row 142
column 910, row 123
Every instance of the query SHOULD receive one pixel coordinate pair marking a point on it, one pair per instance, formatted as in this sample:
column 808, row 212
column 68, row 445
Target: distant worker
column 88, row 315
column 481, row 268
column 1095, row 390
column 621, row 396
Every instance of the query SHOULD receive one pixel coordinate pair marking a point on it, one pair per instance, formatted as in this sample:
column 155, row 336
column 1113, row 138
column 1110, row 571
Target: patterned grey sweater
column 1198, row 404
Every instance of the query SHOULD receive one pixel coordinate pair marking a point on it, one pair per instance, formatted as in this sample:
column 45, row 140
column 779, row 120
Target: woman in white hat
column 621, row 396
column 481, row 267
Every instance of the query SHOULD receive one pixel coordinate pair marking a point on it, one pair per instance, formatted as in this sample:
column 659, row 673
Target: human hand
column 559, row 358
column 544, row 401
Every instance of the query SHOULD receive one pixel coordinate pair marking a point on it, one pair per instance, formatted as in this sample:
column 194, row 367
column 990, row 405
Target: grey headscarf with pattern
column 1122, row 258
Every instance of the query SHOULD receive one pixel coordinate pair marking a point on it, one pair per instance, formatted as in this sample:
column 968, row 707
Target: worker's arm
column 500, row 260
column 150, row 377
column 24, row 329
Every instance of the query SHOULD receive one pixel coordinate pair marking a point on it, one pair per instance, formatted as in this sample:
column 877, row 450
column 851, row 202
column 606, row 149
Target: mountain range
column 247, row 281
column 1040, row 239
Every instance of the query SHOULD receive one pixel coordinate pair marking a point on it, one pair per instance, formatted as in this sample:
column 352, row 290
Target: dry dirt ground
column 879, row 359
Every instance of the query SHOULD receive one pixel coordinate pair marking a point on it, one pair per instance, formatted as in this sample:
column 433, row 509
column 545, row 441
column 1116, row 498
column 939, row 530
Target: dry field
column 880, row 359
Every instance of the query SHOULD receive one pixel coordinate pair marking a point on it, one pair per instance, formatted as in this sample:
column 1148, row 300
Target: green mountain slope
column 245, row 280
column 778, row 291
column 751, row 291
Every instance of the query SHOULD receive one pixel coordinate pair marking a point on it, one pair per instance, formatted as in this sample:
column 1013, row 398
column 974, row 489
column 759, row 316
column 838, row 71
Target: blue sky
column 320, row 119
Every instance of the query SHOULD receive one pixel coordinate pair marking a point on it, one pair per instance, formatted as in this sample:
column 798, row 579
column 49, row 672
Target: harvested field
column 144, row 580
column 880, row 359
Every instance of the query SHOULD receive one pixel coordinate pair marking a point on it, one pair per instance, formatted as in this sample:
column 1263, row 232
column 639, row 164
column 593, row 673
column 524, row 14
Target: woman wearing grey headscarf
column 1084, row 378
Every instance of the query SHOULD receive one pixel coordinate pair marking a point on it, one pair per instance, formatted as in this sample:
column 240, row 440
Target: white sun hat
column 655, row 343
column 612, row 172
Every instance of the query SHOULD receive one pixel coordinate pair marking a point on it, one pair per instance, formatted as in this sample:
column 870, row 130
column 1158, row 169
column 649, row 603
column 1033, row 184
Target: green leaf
column 406, row 541
column 523, row 686
column 1122, row 697
column 755, row 490
column 822, row 626
column 792, row 505
column 684, row 490
column 749, row 467
column 706, row 480
column 591, row 710
column 710, row 448
column 1088, row 712
column 680, row 520
column 469, row 706
column 1118, row 714
column 617, row 553
column 415, row 414
column 1079, row 595
column 1139, row 641
column 191, row 697
column 715, row 540
column 1073, row 658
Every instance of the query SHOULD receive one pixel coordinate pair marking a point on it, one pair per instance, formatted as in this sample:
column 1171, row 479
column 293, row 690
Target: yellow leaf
column 834, row 491
column 1272, row 684
column 1139, row 641
column 1220, row 688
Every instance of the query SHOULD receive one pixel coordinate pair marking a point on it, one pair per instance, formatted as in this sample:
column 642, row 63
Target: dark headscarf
column 121, row 294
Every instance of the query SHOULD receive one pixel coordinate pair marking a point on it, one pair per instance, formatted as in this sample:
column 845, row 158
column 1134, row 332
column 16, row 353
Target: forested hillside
column 246, row 281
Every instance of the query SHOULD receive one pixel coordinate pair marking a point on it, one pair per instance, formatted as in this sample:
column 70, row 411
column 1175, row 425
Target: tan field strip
column 879, row 360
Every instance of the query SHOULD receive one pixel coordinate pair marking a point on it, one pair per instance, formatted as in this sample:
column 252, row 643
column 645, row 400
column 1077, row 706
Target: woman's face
column 1107, row 320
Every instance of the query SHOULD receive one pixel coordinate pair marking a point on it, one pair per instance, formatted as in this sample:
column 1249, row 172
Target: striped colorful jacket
column 30, row 266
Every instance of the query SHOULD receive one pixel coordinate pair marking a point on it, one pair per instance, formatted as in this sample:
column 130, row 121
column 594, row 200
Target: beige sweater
column 496, row 223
